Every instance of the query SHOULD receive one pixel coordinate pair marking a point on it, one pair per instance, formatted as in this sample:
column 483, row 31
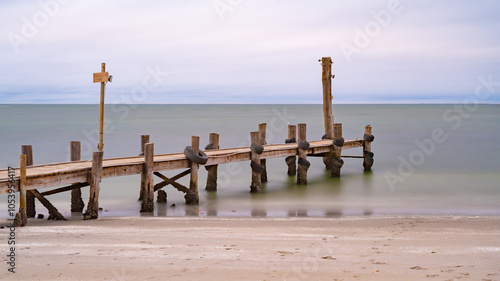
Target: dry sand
column 151, row 248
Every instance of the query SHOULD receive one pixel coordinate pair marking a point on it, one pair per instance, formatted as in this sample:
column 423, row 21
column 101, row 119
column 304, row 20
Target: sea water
column 429, row 159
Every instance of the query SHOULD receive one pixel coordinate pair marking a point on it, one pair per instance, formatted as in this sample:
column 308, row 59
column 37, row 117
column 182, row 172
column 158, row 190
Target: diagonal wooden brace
column 54, row 213
column 172, row 181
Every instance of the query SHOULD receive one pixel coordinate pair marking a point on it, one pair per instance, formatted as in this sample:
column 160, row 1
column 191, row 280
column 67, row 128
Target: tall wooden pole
column 100, row 145
column 144, row 140
column 326, row 63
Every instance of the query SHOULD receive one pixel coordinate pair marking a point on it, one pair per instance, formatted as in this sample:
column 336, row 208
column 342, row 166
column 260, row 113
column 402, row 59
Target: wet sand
column 152, row 248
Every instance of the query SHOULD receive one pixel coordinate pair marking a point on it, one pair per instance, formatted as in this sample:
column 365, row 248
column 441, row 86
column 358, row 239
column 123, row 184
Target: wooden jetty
column 73, row 175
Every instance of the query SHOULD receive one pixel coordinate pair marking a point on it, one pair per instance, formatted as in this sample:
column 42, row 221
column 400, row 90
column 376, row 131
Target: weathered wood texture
column 212, row 170
column 100, row 145
column 326, row 63
column 53, row 212
column 77, row 204
column 192, row 197
column 95, row 186
column 21, row 218
column 291, row 160
column 301, row 170
column 144, row 140
column 256, row 185
column 367, row 146
column 30, row 198
column 147, row 179
column 262, row 136
column 337, row 160
column 61, row 174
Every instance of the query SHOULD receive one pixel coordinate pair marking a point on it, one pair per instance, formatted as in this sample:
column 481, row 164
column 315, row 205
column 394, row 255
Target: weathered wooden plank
column 53, row 212
column 61, row 174
column 66, row 188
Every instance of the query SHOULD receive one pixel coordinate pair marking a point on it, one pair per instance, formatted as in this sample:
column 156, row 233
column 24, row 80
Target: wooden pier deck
column 27, row 179
column 59, row 174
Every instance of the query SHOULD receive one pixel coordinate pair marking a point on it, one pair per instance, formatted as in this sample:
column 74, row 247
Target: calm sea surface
column 456, row 173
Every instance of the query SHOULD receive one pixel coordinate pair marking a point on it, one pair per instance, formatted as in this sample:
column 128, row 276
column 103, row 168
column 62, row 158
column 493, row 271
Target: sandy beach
column 187, row 248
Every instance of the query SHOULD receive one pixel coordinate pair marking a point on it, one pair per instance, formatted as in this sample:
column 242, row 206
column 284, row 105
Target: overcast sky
column 248, row 51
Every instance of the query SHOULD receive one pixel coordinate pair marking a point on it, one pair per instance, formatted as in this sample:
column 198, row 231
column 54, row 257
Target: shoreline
column 229, row 248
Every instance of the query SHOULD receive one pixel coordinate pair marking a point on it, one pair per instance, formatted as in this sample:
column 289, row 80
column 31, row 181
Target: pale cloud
column 263, row 51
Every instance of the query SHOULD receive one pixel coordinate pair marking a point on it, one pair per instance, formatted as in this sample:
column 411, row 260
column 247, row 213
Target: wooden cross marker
column 101, row 77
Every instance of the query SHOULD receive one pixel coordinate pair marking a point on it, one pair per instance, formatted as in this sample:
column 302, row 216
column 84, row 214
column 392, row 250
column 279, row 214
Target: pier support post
column 30, row 198
column 147, row 179
column 192, row 197
column 77, row 204
column 303, row 146
column 95, row 186
column 144, row 140
column 336, row 160
column 212, row 170
column 262, row 136
column 290, row 160
column 256, row 186
column 21, row 218
column 367, row 149
column 326, row 63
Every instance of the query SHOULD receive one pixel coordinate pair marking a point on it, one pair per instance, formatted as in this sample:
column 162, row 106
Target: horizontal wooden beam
column 66, row 188
column 61, row 174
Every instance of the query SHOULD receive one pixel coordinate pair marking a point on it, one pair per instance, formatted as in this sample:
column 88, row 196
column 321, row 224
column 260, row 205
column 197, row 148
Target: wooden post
column 291, row 160
column 21, row 218
column 256, row 186
column 30, row 198
column 367, row 149
column 147, row 176
column 212, row 170
column 192, row 197
column 302, row 153
column 262, row 136
column 100, row 145
column 337, row 160
column 326, row 63
column 77, row 204
column 95, row 186
column 144, row 140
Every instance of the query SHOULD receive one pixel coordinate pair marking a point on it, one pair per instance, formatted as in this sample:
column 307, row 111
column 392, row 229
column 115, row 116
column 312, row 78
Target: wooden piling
column 291, row 160
column 30, row 198
column 367, row 149
column 144, row 140
column 256, row 186
column 77, row 204
column 212, row 170
column 100, row 145
column 147, row 179
column 192, row 197
column 326, row 63
column 21, row 218
column 337, row 161
column 95, row 186
column 302, row 153
column 262, row 136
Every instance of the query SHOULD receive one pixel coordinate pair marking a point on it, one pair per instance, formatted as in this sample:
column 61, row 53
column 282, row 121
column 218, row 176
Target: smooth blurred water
column 459, row 176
